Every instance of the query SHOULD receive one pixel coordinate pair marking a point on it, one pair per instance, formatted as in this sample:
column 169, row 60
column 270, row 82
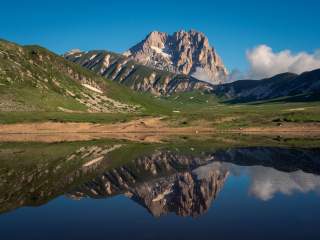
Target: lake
column 223, row 187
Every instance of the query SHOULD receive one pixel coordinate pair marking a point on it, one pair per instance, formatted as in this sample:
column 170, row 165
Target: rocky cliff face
column 183, row 52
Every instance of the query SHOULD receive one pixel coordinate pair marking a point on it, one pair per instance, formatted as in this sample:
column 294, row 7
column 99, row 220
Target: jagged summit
column 184, row 52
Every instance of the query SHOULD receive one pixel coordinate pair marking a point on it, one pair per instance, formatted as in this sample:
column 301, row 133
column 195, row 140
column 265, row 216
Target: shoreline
column 145, row 125
column 145, row 129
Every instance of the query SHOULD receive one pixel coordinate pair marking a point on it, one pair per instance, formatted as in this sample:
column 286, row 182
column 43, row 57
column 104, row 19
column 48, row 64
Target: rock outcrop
column 182, row 52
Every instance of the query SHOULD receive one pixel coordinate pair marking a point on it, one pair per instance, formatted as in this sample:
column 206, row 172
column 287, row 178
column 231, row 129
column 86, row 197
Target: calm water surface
column 187, row 190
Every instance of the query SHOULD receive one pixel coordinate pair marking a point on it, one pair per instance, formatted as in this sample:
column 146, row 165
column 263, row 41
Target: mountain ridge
column 159, row 82
column 280, row 85
column 138, row 77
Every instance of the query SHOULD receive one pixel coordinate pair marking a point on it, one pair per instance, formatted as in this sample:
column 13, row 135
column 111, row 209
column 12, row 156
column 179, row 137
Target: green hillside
column 38, row 85
column 35, row 80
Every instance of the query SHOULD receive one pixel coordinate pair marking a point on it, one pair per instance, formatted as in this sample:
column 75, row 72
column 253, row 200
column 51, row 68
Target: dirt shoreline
column 140, row 129
column 145, row 125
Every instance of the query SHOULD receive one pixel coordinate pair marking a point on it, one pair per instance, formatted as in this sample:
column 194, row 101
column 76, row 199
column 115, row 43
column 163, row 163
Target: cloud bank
column 266, row 182
column 264, row 62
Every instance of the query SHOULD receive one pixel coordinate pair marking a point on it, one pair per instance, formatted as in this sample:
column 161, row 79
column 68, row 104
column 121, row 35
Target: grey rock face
column 183, row 52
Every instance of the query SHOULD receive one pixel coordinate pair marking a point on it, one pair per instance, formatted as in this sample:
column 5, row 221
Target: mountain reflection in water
column 187, row 185
column 162, row 179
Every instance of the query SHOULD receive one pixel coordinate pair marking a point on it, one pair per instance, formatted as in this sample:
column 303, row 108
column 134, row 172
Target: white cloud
column 266, row 182
column 264, row 62
column 201, row 74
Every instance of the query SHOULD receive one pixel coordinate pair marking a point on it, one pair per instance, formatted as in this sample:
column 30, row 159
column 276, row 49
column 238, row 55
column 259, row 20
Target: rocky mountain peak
column 156, row 39
column 183, row 52
column 191, row 36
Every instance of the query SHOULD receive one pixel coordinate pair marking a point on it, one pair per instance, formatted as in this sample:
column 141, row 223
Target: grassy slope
column 193, row 109
column 28, row 91
column 264, row 113
column 23, row 81
column 32, row 79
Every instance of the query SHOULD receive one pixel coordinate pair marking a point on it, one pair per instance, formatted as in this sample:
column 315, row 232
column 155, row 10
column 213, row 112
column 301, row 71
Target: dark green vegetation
column 37, row 85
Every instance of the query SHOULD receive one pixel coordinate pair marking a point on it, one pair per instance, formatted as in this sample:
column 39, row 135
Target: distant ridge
column 305, row 85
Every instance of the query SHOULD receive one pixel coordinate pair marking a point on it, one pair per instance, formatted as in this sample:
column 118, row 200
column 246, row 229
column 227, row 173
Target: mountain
column 35, row 79
column 165, row 64
column 301, row 87
column 182, row 52
column 138, row 77
column 146, row 79
column 161, row 64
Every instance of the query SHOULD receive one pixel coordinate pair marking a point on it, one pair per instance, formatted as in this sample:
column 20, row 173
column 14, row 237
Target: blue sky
column 231, row 26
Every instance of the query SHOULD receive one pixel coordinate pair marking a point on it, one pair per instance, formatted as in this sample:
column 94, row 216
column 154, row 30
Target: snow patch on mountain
column 161, row 51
